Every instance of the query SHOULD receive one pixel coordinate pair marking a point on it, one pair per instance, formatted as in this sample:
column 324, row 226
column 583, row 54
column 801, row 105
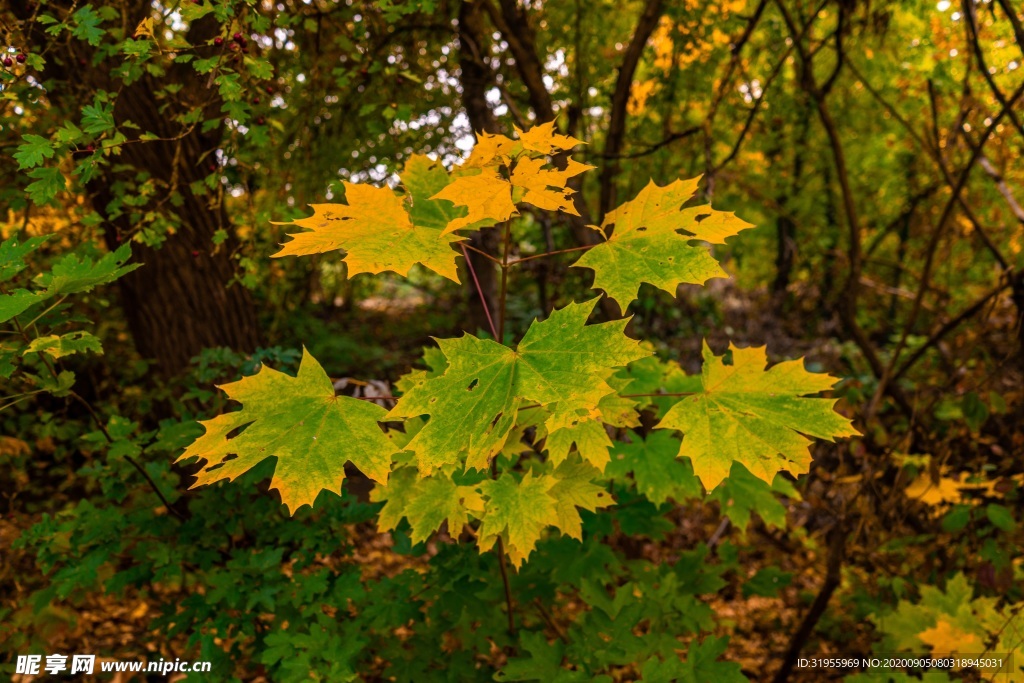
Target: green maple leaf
column 517, row 511
column 755, row 417
column 742, row 494
column 381, row 230
column 544, row 662
column 49, row 181
column 658, row 471
column 654, row 376
column 299, row 420
column 646, row 245
column 70, row 275
column 561, row 363
column 701, row 665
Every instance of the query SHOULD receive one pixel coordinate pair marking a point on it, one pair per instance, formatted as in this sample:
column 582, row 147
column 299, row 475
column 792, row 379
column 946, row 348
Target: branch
column 620, row 100
column 515, row 29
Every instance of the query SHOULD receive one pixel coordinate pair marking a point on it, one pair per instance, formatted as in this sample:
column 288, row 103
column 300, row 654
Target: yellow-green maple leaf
column 752, row 416
column 300, row 421
column 561, row 363
column 950, row 621
column 426, row 503
column 589, row 436
column 381, row 230
column 517, row 511
column 576, row 489
column 646, row 246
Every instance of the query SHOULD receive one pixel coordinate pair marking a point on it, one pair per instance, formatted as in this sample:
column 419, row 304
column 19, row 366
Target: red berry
column 82, row 61
column 213, row 167
column 21, row 58
column 260, row 121
column 270, row 91
column 255, row 100
column 238, row 37
column 195, row 253
column 8, row 61
column 218, row 41
column 90, row 148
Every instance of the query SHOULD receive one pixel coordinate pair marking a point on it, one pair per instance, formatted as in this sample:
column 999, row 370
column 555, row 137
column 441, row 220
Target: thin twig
column 549, row 621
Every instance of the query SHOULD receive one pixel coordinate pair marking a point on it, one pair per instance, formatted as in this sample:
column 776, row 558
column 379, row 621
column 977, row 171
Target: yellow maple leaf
column 145, row 28
column 946, row 638
column 545, row 188
column 490, row 149
column 947, row 490
column 543, row 138
column 376, row 232
column 488, row 196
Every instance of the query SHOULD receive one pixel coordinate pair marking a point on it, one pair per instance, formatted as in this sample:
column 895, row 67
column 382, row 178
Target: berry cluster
column 21, row 57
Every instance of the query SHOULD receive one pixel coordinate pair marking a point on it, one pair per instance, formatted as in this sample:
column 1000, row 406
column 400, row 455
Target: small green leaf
column 33, row 151
column 48, row 182
column 1000, row 516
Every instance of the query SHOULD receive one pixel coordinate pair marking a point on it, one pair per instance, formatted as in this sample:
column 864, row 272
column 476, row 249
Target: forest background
column 152, row 151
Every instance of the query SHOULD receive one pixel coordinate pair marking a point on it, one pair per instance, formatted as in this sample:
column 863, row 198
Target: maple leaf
column 561, row 363
column 426, row 503
column 948, row 489
column 575, row 489
column 945, row 637
column 755, row 417
column 530, row 175
column 504, row 172
column 658, row 471
column 950, row 621
column 589, row 436
column 490, row 149
column 542, row 138
column 518, row 511
column 299, row 420
column 487, row 195
column 379, row 230
column 742, row 494
column 646, row 245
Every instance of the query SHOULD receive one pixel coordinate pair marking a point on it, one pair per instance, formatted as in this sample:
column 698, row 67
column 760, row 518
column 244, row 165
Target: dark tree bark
column 476, row 79
column 182, row 300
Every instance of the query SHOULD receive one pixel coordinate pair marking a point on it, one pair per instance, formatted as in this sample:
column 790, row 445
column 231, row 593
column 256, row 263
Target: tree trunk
column 182, row 300
column 476, row 79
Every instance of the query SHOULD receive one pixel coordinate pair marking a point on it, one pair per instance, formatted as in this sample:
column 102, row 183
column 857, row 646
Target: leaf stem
column 551, row 253
column 479, row 290
column 500, row 338
column 504, row 282
column 483, row 253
